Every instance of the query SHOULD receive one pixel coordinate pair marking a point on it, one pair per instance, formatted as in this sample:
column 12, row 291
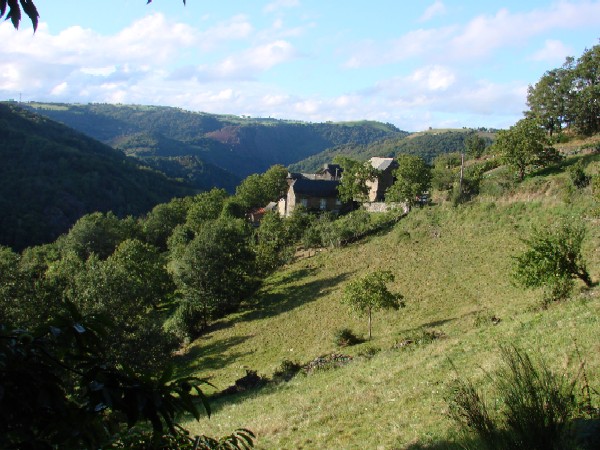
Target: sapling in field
column 370, row 293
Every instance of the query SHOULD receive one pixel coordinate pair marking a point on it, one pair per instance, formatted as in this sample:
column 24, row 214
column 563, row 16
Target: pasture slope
column 453, row 265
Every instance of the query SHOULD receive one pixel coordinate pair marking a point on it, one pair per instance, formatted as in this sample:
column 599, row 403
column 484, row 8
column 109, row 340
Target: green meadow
column 453, row 265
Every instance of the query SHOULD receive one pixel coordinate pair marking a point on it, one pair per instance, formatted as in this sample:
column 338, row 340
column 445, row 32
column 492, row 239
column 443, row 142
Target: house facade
column 385, row 177
column 314, row 194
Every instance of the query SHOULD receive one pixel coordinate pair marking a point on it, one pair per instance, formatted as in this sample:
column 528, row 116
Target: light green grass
column 453, row 267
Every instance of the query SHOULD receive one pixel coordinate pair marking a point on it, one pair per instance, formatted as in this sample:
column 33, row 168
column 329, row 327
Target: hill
column 52, row 175
column 453, row 265
column 238, row 145
column 426, row 144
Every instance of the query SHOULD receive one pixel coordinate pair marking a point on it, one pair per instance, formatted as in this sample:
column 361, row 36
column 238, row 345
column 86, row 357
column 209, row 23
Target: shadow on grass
column 210, row 356
column 270, row 303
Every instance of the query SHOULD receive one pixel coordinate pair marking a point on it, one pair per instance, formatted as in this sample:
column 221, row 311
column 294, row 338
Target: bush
column 345, row 337
column 287, row 370
column 535, row 412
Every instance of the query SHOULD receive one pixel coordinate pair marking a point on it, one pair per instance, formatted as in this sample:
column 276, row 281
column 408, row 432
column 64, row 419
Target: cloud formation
column 472, row 68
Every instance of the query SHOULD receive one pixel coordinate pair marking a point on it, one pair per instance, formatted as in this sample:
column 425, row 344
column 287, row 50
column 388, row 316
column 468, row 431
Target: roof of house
column 381, row 163
column 316, row 188
column 333, row 169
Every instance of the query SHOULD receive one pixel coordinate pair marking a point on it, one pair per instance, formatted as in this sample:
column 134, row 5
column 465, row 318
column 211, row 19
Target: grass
column 453, row 266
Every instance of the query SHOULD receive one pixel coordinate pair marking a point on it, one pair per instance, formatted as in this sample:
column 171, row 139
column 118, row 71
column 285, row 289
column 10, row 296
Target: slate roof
column 316, row 188
column 380, row 163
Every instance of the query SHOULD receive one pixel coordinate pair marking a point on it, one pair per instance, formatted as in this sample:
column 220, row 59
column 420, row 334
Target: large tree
column 525, row 145
column 355, row 174
column 413, row 178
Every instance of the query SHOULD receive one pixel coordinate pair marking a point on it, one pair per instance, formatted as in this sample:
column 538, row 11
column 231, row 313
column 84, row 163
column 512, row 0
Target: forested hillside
column 238, row 145
column 427, row 145
column 52, row 175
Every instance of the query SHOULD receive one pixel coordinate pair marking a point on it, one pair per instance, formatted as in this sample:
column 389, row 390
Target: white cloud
column 435, row 9
column 59, row 89
column 281, row 4
column 553, row 51
column 255, row 60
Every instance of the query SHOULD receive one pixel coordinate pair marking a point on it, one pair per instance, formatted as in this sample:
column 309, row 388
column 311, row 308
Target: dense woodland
column 108, row 302
column 230, row 147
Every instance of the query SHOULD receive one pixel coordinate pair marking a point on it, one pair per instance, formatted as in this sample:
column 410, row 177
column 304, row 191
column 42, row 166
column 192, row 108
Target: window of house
column 338, row 202
column 304, row 202
column 323, row 203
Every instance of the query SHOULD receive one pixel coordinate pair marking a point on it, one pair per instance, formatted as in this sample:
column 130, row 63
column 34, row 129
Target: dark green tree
column 353, row 185
column 370, row 293
column 474, row 145
column 553, row 259
column 550, row 99
column 413, row 178
column 525, row 145
column 586, row 104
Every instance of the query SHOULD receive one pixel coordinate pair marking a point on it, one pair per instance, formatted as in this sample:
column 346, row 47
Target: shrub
column 345, row 337
column 536, row 407
column 287, row 370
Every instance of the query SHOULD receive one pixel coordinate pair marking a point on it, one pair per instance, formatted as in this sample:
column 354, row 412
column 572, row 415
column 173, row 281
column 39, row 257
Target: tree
column 474, row 145
column 213, row 273
column 550, row 99
column 370, row 293
column 29, row 8
column 58, row 391
column 258, row 190
column 14, row 11
column 355, row 174
column 413, row 178
column 525, row 145
column 553, row 259
column 586, row 107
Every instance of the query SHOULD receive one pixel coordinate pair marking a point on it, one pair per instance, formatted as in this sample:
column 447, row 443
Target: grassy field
column 453, row 265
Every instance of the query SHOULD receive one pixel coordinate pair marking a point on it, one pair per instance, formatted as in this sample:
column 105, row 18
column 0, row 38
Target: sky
column 415, row 64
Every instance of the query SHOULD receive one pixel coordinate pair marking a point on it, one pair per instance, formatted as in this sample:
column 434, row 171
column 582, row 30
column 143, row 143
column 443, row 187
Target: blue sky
column 417, row 64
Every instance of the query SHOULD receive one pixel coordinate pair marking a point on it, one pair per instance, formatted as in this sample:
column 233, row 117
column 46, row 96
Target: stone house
column 314, row 194
column 385, row 177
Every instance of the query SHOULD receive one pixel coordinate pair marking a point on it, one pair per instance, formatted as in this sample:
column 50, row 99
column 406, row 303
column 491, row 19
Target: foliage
column 258, row 190
column 344, row 337
column 353, row 185
column 413, row 178
column 227, row 143
column 14, row 11
column 214, row 272
column 274, row 243
column 569, row 95
column 52, row 176
column 474, row 145
column 370, row 293
column 577, row 174
column 428, row 145
column 58, row 391
column 553, row 259
column 525, row 145
column 537, row 406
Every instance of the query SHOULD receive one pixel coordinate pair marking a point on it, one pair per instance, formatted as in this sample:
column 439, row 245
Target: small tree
column 553, row 260
column 370, row 293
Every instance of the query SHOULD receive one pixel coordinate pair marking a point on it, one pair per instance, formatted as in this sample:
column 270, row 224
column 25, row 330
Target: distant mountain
column 51, row 175
column 427, row 145
column 238, row 145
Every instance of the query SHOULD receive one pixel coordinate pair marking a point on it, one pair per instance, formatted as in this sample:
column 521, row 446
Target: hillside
column 52, row 175
column 453, row 266
column 238, row 145
column 426, row 144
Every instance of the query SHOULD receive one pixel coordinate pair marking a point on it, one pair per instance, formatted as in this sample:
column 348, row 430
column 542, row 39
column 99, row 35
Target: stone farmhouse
column 318, row 191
